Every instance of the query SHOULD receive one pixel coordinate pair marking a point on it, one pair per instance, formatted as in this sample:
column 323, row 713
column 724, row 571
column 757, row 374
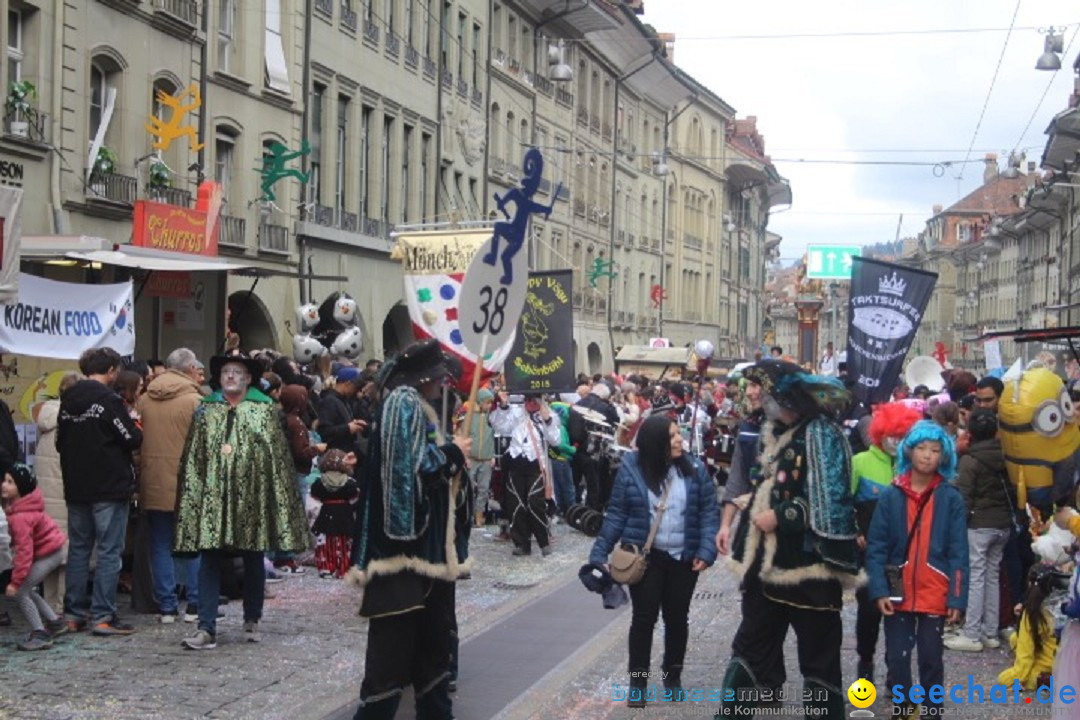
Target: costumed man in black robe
column 795, row 544
column 404, row 554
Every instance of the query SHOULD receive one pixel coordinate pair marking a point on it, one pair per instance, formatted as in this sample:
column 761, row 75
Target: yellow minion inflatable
column 1038, row 430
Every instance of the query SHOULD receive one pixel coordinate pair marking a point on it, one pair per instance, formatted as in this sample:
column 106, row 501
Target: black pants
column 758, row 646
column 598, row 482
column 867, row 625
column 577, row 467
column 907, row 631
column 667, row 588
column 526, row 504
column 410, row 649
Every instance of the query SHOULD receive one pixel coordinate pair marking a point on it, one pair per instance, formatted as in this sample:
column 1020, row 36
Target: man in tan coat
column 167, row 408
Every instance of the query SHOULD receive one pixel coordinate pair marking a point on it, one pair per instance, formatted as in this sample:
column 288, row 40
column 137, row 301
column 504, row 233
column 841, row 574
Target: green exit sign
column 830, row 262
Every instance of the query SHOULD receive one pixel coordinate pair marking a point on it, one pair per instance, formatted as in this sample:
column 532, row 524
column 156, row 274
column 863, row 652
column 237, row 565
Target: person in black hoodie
column 95, row 437
column 337, row 426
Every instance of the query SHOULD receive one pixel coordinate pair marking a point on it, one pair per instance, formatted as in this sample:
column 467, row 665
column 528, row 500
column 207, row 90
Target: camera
column 894, row 574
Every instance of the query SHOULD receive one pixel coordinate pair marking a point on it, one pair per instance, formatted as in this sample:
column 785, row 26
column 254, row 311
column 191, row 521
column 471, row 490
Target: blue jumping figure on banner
column 513, row 229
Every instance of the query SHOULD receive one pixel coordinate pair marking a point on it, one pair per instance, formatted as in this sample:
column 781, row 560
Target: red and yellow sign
column 180, row 229
column 172, row 228
column 169, row 283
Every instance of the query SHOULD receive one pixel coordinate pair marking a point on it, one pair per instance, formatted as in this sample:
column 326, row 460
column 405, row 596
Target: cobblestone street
column 310, row 660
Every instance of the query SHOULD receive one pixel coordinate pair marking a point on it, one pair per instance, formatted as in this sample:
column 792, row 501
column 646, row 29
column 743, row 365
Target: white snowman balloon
column 306, row 349
column 348, row 344
column 345, row 311
column 307, row 317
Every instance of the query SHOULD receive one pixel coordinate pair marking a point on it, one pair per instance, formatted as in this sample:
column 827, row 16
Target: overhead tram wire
column 989, row 91
column 839, row 34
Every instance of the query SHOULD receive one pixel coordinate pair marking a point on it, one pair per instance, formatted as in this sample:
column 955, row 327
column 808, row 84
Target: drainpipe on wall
column 60, row 224
column 304, row 260
column 663, row 212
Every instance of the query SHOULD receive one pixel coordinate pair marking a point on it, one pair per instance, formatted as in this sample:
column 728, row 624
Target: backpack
column 577, row 430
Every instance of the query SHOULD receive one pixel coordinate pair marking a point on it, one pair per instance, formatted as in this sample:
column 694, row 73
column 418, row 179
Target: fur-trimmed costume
column 795, row 575
column 404, row 554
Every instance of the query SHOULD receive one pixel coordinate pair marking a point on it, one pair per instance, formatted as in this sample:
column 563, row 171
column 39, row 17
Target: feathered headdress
column 807, row 394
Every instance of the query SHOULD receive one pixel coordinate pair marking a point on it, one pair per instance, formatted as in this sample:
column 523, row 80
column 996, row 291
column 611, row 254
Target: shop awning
column 89, row 248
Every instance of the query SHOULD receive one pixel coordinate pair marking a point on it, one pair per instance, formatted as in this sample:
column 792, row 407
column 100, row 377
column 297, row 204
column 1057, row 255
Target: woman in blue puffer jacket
column 683, row 546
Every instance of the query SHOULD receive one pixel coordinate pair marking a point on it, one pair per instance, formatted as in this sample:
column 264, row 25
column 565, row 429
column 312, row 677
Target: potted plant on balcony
column 160, row 179
column 17, row 107
column 104, row 165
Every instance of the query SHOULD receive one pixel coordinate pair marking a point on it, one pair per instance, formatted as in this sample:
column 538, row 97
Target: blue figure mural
column 513, row 229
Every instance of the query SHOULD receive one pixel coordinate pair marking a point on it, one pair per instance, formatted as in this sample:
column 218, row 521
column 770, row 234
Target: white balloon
column 348, row 344
column 307, row 317
column 345, row 311
column 306, row 349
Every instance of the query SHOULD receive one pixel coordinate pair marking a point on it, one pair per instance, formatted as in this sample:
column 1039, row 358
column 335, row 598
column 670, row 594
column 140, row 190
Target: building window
column 14, row 46
column 384, row 178
column 510, row 130
column 496, row 27
column 476, row 55
column 444, row 24
column 493, row 128
column 318, row 97
column 462, row 23
column 405, row 187
column 963, row 232
column 512, row 37
column 425, row 177
column 474, row 205
column 104, row 79
column 226, row 34
column 277, row 70
column 409, row 22
column 224, row 159
column 365, row 149
column 389, row 16
column 342, row 147
column 425, row 26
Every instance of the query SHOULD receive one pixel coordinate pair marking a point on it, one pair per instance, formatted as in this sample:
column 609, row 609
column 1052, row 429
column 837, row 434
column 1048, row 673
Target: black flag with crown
column 887, row 305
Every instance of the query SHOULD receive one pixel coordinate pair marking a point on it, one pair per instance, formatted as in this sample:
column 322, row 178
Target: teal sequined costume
column 237, row 488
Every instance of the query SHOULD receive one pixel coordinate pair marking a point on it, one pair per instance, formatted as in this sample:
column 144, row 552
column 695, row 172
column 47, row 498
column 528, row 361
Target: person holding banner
column 532, row 428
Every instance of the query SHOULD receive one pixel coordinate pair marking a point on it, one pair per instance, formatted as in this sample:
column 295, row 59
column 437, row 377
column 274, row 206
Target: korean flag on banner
column 10, row 242
column 434, row 264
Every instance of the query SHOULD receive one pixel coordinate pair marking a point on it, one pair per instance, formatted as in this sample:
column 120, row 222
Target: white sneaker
column 991, row 642
column 963, row 643
column 167, row 618
column 201, row 640
column 251, row 632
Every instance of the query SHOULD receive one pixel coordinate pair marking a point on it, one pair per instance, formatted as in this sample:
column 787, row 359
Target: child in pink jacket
column 37, row 544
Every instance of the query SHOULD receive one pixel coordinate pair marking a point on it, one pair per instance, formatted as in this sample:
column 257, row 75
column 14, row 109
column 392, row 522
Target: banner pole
column 466, row 427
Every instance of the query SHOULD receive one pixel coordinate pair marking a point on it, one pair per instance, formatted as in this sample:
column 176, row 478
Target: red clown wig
column 892, row 420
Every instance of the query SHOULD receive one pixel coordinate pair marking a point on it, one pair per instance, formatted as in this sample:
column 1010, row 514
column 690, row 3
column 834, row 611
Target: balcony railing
column 545, row 186
column 563, row 194
column 376, row 228
column 412, row 56
column 186, row 11
column 348, row 18
column 564, row 97
column 114, row 187
column 29, row 128
column 477, row 97
column 578, row 299
column 630, row 239
column 169, row 196
column 654, row 244
column 497, row 165
column 594, row 123
column 530, row 78
column 579, row 207
column 231, row 231
column 371, row 31
column 543, row 84
column 462, row 88
column 620, row 238
column 606, row 134
column 349, row 222
column 429, row 67
column 393, row 44
column 583, row 118
column 323, row 215
column 515, row 66
column 326, row 7
column 274, row 238
column 447, row 79
column 692, row 241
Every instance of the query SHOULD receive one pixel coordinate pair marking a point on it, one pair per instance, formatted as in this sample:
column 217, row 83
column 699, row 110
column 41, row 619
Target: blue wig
column 928, row 431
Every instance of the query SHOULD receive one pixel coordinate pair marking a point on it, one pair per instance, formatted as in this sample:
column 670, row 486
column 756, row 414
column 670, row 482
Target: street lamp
column 1052, row 45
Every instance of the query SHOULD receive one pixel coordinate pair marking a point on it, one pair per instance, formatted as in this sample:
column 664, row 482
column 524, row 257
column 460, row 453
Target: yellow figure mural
column 166, row 132
column 1038, row 430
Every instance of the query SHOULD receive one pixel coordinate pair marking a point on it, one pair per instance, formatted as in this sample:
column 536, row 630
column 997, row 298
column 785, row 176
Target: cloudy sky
column 888, row 97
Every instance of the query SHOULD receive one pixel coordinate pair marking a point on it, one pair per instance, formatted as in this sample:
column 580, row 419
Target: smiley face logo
column 862, row 693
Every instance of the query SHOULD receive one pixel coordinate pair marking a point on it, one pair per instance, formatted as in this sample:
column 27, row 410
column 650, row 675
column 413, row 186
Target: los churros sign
column 179, row 229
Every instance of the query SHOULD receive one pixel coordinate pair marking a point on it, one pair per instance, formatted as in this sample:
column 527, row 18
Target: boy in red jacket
column 38, row 545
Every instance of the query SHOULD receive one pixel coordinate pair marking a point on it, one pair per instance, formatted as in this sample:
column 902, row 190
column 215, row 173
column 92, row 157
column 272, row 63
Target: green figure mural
column 601, row 268
column 274, row 168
